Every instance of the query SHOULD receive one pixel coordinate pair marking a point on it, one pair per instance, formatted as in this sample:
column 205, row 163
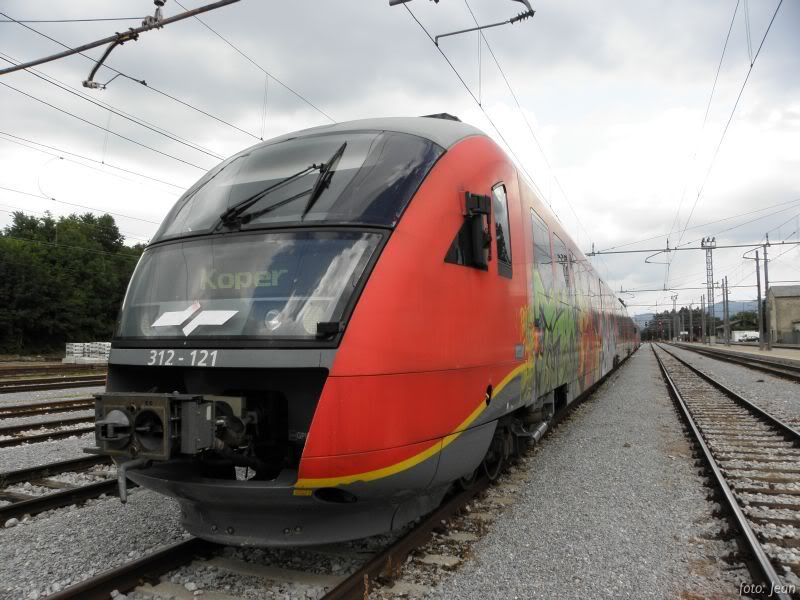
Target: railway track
column 50, row 383
column 43, row 408
column 16, row 370
column 58, row 434
column 383, row 566
column 757, row 363
column 22, row 503
column 755, row 461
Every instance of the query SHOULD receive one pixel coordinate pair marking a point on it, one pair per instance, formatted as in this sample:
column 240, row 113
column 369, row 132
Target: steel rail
column 768, row 572
column 8, row 387
column 11, row 370
column 789, row 432
column 756, row 363
column 28, row 410
column 60, row 499
column 15, row 429
column 81, row 463
column 43, row 437
column 385, row 563
column 129, row 575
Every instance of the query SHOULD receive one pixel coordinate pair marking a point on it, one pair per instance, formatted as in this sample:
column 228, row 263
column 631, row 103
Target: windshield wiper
column 230, row 215
column 323, row 179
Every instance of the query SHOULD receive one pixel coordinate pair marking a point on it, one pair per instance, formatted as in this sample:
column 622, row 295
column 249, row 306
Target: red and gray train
column 332, row 328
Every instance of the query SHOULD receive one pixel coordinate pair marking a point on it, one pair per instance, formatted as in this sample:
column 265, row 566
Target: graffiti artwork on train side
column 563, row 328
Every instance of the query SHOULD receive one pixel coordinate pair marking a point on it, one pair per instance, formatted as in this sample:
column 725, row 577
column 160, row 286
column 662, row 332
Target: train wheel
column 495, row 459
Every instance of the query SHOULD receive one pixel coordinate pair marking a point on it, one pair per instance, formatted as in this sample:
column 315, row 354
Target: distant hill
column 735, row 307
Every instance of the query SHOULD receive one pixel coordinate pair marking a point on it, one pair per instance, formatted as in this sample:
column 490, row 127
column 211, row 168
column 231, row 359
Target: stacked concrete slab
column 87, row 353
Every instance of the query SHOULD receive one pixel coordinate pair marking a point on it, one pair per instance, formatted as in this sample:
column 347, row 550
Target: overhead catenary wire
column 100, row 210
column 706, row 224
column 25, row 142
column 139, row 81
column 132, row 34
column 705, row 118
column 94, row 20
column 472, row 95
column 86, row 121
column 104, row 105
column 530, row 129
column 259, row 67
column 730, row 118
column 526, row 120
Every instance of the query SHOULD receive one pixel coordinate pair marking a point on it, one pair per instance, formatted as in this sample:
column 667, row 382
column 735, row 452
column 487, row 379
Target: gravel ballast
column 50, row 552
column 775, row 395
column 613, row 507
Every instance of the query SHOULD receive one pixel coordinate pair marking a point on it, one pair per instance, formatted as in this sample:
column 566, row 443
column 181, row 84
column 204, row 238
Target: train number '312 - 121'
column 192, row 358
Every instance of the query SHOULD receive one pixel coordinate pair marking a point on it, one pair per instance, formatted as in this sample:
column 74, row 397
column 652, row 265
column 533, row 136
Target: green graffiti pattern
column 562, row 337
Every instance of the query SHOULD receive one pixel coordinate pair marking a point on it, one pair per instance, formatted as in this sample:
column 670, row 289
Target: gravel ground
column 612, row 506
column 44, row 554
column 17, row 398
column 780, row 397
column 41, row 453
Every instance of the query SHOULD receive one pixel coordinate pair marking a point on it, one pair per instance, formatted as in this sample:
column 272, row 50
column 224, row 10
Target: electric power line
column 70, row 20
column 100, row 210
column 469, row 91
column 730, row 118
column 105, row 106
column 20, row 141
column 119, row 135
column 705, row 120
column 527, row 122
column 258, row 66
column 656, row 237
column 139, row 81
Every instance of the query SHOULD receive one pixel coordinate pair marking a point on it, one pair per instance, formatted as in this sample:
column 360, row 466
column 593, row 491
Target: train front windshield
column 277, row 285
column 372, row 178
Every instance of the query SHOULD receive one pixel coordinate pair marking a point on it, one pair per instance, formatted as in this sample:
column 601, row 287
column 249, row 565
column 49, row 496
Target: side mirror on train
column 472, row 246
column 478, row 210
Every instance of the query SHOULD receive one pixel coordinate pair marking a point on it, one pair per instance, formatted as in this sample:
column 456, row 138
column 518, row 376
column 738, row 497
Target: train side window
column 502, row 230
column 542, row 255
column 562, row 258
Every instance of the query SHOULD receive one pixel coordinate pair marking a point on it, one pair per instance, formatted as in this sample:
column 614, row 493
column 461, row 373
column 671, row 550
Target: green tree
column 61, row 280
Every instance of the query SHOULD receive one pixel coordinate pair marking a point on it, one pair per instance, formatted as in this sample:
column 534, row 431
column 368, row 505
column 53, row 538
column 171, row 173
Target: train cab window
column 562, row 258
column 542, row 255
column 502, row 231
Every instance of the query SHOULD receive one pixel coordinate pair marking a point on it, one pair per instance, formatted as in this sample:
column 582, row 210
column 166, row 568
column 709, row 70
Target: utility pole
column 709, row 244
column 727, row 323
column 691, row 324
column 703, row 318
column 767, row 327
column 683, row 324
column 759, row 309
column 674, row 319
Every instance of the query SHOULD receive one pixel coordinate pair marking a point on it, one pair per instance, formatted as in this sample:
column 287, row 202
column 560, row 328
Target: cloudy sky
column 616, row 95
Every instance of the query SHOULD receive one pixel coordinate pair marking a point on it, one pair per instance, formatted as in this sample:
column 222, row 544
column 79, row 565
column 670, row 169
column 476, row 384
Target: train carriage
column 332, row 327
